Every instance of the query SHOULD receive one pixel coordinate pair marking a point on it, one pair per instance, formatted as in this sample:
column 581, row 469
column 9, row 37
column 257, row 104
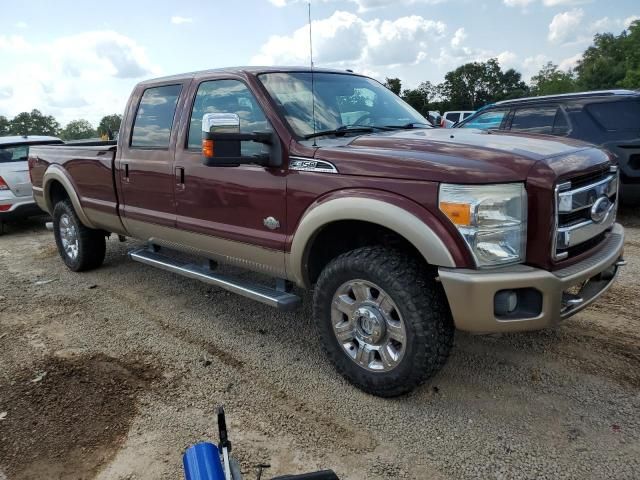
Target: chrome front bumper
column 471, row 293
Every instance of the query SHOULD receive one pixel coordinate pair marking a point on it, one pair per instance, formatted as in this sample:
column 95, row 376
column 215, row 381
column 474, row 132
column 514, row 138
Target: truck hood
column 460, row 155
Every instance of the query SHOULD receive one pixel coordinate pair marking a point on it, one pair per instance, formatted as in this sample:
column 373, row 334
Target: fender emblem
column 271, row 223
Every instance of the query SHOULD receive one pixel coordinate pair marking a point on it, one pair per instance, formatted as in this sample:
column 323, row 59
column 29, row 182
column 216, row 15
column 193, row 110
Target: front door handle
column 126, row 172
column 179, row 171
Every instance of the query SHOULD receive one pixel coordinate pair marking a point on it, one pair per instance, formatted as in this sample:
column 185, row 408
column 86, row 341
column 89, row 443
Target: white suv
column 449, row 119
column 16, row 196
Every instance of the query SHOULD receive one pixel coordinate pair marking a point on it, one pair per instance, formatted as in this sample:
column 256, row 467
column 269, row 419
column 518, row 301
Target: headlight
column 491, row 218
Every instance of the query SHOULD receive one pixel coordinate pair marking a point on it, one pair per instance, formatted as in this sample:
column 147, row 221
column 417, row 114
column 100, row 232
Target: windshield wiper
column 408, row 126
column 340, row 131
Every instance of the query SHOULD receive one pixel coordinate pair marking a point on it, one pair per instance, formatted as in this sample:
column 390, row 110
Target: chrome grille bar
column 599, row 197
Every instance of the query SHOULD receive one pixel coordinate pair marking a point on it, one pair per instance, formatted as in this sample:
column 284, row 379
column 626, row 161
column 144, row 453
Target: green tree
column 109, row 123
column 550, row 80
column 34, row 123
column 4, row 125
column 422, row 97
column 475, row 84
column 632, row 49
column 393, row 84
column 77, row 130
column 612, row 61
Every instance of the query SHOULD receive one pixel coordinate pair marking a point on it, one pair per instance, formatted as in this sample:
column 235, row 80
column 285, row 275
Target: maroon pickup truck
column 330, row 182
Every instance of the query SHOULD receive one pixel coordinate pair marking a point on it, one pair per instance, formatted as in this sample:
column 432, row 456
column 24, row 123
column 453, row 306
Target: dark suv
column 609, row 119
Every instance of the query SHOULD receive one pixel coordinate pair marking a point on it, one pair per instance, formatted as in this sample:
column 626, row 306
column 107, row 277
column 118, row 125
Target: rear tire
column 393, row 320
column 81, row 248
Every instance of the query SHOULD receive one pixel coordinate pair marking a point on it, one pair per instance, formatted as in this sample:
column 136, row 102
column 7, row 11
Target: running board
column 275, row 298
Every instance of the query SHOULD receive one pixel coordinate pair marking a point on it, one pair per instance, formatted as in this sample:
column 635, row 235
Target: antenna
column 313, row 90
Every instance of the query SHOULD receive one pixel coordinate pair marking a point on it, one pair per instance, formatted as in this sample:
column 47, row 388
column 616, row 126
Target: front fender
column 399, row 214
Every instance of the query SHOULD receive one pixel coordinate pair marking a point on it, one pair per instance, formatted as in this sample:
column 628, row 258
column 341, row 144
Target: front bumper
column 471, row 293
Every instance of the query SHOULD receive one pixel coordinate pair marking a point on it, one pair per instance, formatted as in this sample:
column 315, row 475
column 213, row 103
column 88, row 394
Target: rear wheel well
column 342, row 236
column 57, row 193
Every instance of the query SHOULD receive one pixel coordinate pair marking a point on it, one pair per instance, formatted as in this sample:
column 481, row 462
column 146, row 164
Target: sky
column 78, row 60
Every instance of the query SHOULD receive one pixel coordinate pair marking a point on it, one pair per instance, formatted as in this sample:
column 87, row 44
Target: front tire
column 384, row 323
column 81, row 248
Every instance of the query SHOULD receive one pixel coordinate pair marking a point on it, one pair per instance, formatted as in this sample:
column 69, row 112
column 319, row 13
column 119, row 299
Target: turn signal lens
column 3, row 184
column 458, row 213
column 207, row 148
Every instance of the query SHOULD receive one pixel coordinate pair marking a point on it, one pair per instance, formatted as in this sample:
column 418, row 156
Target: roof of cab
column 26, row 139
column 243, row 70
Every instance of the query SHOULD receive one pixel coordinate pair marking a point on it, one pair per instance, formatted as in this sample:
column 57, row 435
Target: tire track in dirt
column 348, row 438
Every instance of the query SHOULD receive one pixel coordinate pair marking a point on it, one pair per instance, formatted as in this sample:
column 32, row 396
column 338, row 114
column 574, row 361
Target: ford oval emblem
column 600, row 209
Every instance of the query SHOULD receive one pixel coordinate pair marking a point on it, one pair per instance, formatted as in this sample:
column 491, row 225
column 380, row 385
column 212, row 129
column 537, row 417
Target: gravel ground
column 111, row 374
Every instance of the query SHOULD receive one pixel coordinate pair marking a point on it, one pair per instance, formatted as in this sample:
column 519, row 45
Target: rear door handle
column 126, row 172
column 180, row 177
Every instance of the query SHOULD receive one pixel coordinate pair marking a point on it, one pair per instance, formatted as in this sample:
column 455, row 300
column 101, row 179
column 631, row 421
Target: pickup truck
column 404, row 232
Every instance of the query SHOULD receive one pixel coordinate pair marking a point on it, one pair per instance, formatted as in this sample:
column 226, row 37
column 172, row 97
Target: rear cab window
column 154, row 118
column 616, row 116
column 486, row 120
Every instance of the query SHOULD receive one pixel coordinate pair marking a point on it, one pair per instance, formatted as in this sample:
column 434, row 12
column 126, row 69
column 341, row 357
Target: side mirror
column 222, row 143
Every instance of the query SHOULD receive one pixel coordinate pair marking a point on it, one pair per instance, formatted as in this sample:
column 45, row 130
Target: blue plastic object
column 202, row 462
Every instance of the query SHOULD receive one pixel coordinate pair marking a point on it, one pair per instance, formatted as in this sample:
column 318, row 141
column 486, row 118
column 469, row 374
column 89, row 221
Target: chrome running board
column 279, row 299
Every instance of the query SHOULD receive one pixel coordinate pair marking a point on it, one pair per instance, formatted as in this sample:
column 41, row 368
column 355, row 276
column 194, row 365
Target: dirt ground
column 111, row 374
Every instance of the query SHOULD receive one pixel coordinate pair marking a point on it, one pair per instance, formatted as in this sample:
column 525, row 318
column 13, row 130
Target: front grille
column 589, row 178
column 585, row 209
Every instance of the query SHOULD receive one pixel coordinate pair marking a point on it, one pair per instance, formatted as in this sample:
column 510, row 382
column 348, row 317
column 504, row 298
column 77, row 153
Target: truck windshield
column 14, row 154
column 341, row 101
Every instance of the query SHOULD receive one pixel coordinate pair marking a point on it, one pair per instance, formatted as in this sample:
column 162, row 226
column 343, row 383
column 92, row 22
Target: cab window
column 228, row 96
column 154, row 118
column 486, row 120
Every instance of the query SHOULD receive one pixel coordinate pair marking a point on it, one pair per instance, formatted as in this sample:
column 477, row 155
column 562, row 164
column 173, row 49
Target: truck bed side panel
column 89, row 170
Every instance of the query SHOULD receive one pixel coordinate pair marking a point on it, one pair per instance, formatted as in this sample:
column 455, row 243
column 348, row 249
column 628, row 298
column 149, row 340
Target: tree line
column 613, row 61
column 36, row 123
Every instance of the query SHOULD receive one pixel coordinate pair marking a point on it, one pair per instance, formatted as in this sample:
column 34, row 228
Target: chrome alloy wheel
column 368, row 325
column 69, row 236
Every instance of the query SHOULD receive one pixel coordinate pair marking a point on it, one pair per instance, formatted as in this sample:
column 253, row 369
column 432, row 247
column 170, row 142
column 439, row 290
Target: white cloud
column 21, row 25
column 346, row 40
column 458, row 37
column 564, row 25
column 86, row 75
column 629, row 20
column 364, row 5
column 507, row 59
column 178, row 20
column 570, row 63
column 558, row 3
column 518, row 3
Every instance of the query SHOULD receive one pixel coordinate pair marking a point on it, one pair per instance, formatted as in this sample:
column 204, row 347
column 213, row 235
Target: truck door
column 230, row 212
column 145, row 166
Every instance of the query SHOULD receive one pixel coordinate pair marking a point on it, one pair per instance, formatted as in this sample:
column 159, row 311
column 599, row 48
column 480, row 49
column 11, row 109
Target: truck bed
column 87, row 167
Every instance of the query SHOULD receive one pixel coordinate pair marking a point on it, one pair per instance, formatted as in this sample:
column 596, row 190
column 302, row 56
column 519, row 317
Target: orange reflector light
column 458, row 213
column 207, row 148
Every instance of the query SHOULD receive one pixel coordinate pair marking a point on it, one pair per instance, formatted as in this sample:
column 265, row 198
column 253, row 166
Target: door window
column 453, row 117
column 154, row 119
column 547, row 120
column 228, row 96
column 486, row 120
